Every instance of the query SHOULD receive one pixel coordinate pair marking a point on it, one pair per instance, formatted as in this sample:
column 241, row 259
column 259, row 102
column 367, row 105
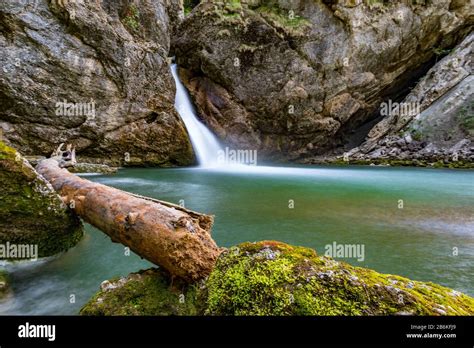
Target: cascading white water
column 205, row 144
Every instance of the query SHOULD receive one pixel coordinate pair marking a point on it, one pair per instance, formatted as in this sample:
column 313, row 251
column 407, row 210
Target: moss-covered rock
column 394, row 162
column 149, row 292
column 273, row 278
column 30, row 210
column 4, row 284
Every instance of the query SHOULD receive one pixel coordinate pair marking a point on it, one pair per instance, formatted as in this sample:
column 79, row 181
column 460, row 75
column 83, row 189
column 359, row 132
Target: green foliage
column 232, row 9
column 6, row 152
column 459, row 164
column 416, row 135
column 4, row 283
column 273, row 278
column 234, row 5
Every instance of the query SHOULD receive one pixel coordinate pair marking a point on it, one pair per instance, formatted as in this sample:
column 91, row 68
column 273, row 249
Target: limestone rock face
column 4, row 284
column 148, row 292
column 274, row 278
column 109, row 59
column 296, row 78
column 30, row 210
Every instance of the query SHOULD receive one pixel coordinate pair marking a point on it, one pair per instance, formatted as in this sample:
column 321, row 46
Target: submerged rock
column 273, row 278
column 30, row 210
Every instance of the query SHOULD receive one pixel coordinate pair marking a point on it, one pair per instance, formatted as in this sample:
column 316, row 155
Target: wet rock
column 92, row 168
column 34, row 159
column 30, row 210
column 277, row 82
column 108, row 62
column 461, row 145
column 273, row 278
column 149, row 292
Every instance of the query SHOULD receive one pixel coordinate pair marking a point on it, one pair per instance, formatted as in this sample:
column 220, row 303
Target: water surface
column 356, row 205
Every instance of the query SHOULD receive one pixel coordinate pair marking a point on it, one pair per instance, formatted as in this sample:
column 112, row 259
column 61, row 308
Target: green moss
column 233, row 5
column 231, row 15
column 30, row 212
column 416, row 135
column 147, row 292
column 283, row 18
column 4, row 284
column 460, row 164
column 6, row 152
column 272, row 278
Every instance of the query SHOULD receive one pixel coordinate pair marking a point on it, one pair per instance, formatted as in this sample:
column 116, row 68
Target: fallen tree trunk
column 168, row 235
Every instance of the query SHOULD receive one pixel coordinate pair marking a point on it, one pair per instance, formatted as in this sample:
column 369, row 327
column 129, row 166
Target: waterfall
column 205, row 144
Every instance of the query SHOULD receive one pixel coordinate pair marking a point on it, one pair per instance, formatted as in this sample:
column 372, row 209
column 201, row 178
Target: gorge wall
column 442, row 131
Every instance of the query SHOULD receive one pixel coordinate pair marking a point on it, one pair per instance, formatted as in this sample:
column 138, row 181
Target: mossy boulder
column 30, row 210
column 4, row 284
column 149, row 292
column 273, row 278
column 92, row 168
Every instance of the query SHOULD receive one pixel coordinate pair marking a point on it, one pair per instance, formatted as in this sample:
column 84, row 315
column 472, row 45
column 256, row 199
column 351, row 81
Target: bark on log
column 168, row 235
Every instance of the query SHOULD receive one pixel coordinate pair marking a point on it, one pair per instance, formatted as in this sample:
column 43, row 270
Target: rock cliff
column 31, row 213
column 442, row 131
column 298, row 78
column 274, row 278
column 92, row 73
